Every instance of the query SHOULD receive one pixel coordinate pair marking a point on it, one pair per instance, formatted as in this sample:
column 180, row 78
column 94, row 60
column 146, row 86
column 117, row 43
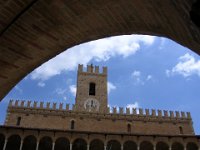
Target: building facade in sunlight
column 90, row 124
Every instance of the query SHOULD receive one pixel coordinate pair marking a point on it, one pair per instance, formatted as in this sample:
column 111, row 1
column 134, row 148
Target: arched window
column 181, row 130
column 128, row 128
column 72, row 124
column 92, row 89
column 18, row 121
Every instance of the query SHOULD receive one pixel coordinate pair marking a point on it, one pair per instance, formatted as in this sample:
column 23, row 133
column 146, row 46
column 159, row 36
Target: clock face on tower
column 91, row 104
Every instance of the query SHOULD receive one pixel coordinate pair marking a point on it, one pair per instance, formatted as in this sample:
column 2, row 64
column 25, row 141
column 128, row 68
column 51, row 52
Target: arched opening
column 162, row 146
column 79, row 144
column 145, row 145
column 129, row 128
column 2, row 140
column 113, row 145
column 18, row 121
column 96, row 145
column 177, row 146
column 130, row 145
column 13, row 143
column 192, row 146
column 29, row 143
column 92, row 89
column 181, row 130
column 45, row 143
column 62, row 144
column 72, row 125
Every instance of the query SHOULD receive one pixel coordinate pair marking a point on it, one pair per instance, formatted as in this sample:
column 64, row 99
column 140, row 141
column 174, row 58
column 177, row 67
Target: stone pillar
column 37, row 145
column 21, row 145
column 122, row 147
column 138, row 147
column 105, row 147
column 154, row 147
column 53, row 145
column 88, row 147
column 5, row 143
column 70, row 146
column 170, row 147
column 185, row 147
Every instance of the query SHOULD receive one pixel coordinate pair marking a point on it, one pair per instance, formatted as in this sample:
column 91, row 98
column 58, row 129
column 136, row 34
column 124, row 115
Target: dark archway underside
column 34, row 31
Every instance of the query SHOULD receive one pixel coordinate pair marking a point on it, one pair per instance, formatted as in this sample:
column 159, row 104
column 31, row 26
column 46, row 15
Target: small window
column 18, row 121
column 128, row 128
column 72, row 124
column 92, row 89
column 181, row 130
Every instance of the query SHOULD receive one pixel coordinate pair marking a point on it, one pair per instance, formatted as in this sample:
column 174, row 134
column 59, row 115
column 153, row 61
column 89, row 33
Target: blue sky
column 143, row 71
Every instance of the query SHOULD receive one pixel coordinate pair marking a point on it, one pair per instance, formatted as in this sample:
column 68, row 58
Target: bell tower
column 91, row 92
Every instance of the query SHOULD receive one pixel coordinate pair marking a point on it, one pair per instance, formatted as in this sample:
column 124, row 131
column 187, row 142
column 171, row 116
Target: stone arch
column 30, row 143
column 130, row 145
column 45, row 143
column 62, row 143
column 79, row 144
column 2, row 141
column 146, row 145
column 177, row 146
column 96, row 144
column 162, row 146
column 113, row 145
column 14, row 142
column 192, row 146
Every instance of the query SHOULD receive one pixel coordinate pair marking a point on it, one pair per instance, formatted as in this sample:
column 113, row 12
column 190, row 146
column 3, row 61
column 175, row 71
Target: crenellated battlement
column 92, row 69
column 151, row 113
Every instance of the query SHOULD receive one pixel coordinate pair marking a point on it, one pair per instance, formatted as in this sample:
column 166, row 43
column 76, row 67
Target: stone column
column 170, row 147
column 154, row 147
column 5, row 143
column 185, row 147
column 21, row 145
column 88, row 147
column 37, row 145
column 138, row 147
column 105, row 147
column 70, row 146
column 53, row 145
column 122, row 147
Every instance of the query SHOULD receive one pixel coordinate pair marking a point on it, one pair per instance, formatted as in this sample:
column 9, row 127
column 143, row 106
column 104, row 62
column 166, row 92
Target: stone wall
column 54, row 116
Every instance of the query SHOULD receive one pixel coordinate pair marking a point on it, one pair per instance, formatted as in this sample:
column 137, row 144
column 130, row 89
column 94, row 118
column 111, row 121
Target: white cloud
column 17, row 88
column 162, row 42
column 136, row 75
column 110, row 87
column 186, row 66
column 134, row 105
column 140, row 79
column 72, row 89
column 61, row 91
column 149, row 77
column 41, row 84
column 99, row 50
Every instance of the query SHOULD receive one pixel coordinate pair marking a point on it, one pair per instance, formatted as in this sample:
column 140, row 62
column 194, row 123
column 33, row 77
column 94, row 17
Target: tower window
column 128, row 128
column 72, row 124
column 18, row 121
column 181, row 130
column 92, row 89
